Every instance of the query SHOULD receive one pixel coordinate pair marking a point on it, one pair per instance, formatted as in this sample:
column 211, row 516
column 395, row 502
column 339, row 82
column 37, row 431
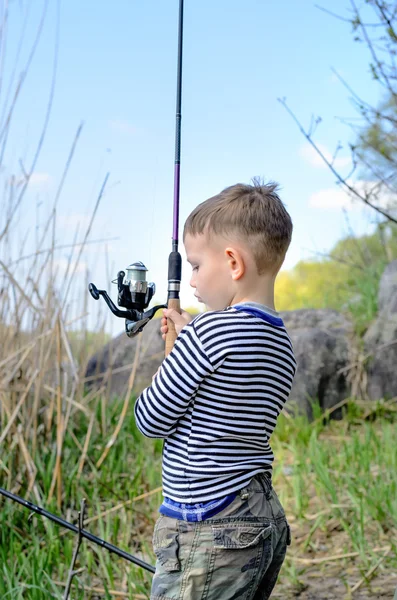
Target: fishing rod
column 82, row 532
column 175, row 259
column 134, row 292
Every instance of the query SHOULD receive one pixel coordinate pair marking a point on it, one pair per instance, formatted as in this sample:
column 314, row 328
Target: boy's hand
column 180, row 320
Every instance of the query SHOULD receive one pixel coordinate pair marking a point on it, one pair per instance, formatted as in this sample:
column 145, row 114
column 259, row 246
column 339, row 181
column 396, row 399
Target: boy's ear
column 236, row 263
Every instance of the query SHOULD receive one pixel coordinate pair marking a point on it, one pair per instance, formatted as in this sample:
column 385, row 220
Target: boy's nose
column 192, row 282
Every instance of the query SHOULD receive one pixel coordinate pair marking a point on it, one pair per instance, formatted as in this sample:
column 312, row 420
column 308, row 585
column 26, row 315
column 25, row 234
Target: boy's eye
column 194, row 268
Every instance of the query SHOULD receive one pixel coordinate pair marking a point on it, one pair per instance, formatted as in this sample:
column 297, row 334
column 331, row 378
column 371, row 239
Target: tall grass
column 37, row 554
column 59, row 444
column 337, row 480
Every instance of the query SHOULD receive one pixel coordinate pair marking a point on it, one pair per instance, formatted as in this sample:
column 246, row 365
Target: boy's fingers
column 174, row 315
column 179, row 319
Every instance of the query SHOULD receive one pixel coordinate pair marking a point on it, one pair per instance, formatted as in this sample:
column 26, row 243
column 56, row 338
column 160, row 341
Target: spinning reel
column 135, row 294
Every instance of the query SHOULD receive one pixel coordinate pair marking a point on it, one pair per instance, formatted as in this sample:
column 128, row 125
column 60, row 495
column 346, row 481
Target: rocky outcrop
column 321, row 345
column 320, row 339
column 380, row 340
column 112, row 365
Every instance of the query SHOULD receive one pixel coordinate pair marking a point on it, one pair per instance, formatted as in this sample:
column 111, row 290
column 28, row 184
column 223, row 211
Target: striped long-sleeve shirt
column 216, row 399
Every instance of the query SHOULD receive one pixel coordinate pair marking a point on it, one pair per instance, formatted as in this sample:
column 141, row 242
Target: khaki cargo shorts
column 237, row 554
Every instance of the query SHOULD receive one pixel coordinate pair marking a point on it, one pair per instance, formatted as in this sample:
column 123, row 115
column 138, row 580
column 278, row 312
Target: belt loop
column 244, row 494
column 245, row 491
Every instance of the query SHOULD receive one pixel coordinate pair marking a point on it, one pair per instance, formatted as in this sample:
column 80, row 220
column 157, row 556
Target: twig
column 18, row 287
column 123, row 504
column 119, row 506
column 57, row 474
column 18, row 406
column 336, row 259
column 339, row 177
column 318, row 561
column 365, row 357
column 326, row 511
column 74, row 403
column 31, row 345
column 101, row 591
column 72, row 571
column 125, row 405
column 46, row 117
column 382, row 11
column 345, row 19
column 371, row 571
column 85, row 447
column 329, row 411
column 87, row 233
column 61, row 247
column 377, row 61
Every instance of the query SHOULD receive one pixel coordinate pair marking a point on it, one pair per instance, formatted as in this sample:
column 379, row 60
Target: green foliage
column 35, row 553
column 375, row 150
column 355, row 487
column 315, row 284
column 347, row 280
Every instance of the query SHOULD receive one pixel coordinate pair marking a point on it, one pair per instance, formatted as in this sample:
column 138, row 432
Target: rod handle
column 174, row 303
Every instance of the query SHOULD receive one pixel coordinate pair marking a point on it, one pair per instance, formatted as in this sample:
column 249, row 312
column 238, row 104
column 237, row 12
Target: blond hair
column 253, row 213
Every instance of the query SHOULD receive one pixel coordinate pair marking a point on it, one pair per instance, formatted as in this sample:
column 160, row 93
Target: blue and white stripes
column 216, row 399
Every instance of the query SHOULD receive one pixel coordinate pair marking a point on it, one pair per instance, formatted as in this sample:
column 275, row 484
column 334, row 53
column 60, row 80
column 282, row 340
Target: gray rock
column 387, row 297
column 380, row 340
column 320, row 339
column 112, row 365
column 307, row 318
column 321, row 345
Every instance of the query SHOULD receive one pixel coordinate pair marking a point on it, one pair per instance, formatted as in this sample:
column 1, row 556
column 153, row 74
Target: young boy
column 222, row 533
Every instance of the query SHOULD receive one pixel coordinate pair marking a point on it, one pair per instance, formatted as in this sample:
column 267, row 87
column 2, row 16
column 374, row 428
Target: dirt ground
column 317, row 587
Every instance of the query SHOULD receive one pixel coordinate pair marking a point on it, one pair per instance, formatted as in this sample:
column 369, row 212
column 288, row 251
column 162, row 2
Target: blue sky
column 116, row 72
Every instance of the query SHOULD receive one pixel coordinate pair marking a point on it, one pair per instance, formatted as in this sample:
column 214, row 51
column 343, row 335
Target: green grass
column 34, row 554
column 337, row 480
column 340, row 491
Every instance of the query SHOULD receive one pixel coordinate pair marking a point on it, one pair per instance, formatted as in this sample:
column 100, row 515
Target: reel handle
column 171, row 334
column 93, row 291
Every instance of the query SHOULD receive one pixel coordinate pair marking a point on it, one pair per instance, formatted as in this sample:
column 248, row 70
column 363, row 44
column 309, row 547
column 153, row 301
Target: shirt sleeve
column 160, row 406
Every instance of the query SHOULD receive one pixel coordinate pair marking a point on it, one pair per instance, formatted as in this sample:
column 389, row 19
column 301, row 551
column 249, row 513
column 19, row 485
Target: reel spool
column 134, row 294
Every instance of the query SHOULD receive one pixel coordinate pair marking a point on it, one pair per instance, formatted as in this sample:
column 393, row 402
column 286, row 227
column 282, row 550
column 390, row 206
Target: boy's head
column 247, row 220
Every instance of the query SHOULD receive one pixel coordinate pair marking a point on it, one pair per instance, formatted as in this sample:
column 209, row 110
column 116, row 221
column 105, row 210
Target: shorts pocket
column 232, row 536
column 166, row 546
column 240, row 553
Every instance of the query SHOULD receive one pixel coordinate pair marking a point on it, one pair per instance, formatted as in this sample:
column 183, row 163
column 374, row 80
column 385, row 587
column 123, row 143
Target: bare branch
column 374, row 55
column 72, row 570
column 62, row 247
column 345, row 19
column 362, row 102
column 382, row 11
column 101, row 193
column 46, row 118
column 339, row 177
column 336, row 259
